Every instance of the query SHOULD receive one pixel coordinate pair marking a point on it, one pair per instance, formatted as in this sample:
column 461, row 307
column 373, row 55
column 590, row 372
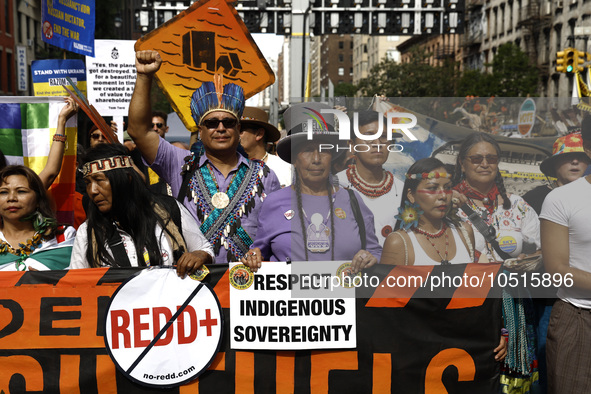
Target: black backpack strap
column 488, row 232
column 119, row 254
column 187, row 173
column 358, row 217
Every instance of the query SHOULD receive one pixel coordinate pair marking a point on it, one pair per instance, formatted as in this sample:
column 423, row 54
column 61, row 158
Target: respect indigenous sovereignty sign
column 50, row 75
column 264, row 314
column 52, row 327
column 28, row 126
column 208, row 37
column 69, row 24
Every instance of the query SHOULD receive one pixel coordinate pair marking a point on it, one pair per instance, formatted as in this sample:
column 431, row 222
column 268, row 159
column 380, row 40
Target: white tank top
column 421, row 258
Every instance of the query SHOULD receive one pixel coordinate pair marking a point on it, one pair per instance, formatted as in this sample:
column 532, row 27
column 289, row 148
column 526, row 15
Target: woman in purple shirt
column 313, row 220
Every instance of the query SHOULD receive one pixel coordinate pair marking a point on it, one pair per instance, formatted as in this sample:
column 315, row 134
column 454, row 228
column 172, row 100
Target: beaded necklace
column 24, row 250
column 437, row 234
column 444, row 261
column 370, row 189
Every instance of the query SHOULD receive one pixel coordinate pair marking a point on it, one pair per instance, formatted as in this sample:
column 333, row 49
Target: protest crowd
column 229, row 197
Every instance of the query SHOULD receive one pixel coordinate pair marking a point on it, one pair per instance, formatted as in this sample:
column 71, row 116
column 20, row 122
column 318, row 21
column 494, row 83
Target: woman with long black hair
column 127, row 225
column 479, row 185
column 428, row 233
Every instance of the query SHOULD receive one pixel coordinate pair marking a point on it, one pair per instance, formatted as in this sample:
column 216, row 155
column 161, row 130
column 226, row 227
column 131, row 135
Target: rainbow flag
column 26, row 133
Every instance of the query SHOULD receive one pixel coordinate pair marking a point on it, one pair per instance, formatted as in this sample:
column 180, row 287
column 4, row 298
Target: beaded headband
column 215, row 96
column 106, row 164
column 429, row 175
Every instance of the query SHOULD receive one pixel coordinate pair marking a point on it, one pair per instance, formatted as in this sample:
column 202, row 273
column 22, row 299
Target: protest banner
column 52, row 327
column 50, row 75
column 208, row 37
column 265, row 315
column 69, row 25
column 29, row 124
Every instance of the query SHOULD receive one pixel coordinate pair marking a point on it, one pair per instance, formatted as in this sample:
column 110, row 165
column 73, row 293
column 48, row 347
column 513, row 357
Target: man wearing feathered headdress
column 220, row 187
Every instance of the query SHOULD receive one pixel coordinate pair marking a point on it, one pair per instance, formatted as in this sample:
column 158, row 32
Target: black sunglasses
column 159, row 125
column 213, row 123
column 477, row 159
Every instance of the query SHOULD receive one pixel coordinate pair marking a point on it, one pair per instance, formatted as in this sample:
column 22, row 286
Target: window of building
column 9, row 69
column 341, row 57
column 341, row 44
column 7, row 17
column 341, row 71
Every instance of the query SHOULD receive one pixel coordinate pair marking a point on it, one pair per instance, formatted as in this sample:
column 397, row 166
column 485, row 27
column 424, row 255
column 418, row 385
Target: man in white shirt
column 566, row 247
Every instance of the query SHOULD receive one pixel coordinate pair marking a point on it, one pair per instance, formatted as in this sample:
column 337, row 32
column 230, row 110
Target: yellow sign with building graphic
column 206, row 38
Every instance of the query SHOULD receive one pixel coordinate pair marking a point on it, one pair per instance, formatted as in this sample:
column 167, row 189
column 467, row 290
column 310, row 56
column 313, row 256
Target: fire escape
column 535, row 21
column 473, row 36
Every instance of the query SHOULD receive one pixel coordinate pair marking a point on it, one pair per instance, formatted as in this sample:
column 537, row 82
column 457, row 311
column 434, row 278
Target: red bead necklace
column 429, row 236
column 370, row 189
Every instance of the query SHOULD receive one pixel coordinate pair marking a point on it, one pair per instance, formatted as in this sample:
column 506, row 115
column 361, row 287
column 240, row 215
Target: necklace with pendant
column 317, row 232
column 444, row 261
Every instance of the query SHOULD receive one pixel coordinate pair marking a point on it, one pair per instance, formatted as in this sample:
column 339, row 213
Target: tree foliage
column 415, row 78
column 512, row 76
column 345, row 90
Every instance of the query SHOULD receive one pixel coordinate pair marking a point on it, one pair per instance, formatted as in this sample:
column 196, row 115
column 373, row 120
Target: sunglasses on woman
column 214, row 122
column 477, row 159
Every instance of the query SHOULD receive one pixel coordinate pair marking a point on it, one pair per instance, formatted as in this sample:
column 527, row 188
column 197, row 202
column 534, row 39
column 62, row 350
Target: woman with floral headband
column 427, row 233
column 128, row 226
column 30, row 238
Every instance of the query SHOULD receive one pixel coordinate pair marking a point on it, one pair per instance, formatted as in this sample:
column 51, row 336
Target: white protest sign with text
column 111, row 76
column 264, row 315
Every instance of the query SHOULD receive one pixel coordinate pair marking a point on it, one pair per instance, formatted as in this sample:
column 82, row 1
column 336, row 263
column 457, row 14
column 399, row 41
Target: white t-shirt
column 281, row 168
column 194, row 240
column 568, row 206
column 517, row 229
column 384, row 208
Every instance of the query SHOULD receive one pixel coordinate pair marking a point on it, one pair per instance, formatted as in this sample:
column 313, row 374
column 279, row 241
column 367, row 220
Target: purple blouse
column 168, row 165
column 280, row 236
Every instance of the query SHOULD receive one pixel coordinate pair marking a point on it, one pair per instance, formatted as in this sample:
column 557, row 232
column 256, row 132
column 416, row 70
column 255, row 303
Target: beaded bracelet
column 60, row 138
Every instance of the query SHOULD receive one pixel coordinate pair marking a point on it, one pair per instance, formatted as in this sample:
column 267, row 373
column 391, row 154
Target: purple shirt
column 280, row 236
column 168, row 165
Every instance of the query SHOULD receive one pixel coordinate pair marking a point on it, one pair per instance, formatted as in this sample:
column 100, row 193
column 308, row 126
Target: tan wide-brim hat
column 254, row 117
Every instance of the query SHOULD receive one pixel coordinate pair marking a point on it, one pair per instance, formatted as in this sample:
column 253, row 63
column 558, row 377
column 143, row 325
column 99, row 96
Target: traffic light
column 569, row 59
column 580, row 59
column 565, row 60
